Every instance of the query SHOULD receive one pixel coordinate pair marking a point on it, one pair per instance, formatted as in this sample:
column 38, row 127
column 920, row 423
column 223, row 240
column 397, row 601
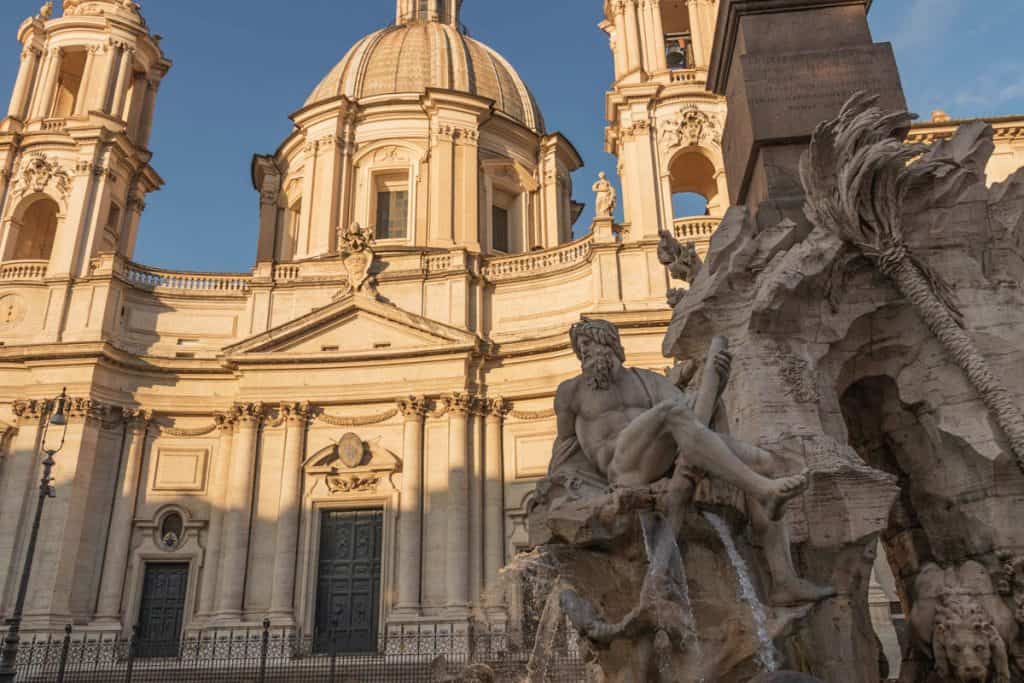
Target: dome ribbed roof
column 410, row 58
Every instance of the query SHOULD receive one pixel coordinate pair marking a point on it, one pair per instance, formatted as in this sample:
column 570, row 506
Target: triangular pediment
column 354, row 325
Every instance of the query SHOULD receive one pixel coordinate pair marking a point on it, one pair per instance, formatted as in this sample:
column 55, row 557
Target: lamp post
column 50, row 446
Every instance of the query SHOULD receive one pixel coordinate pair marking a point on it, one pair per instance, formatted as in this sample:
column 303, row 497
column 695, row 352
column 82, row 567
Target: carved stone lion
column 961, row 628
column 966, row 645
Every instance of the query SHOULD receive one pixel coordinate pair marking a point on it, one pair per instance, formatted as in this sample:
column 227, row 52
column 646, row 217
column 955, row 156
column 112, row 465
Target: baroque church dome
column 429, row 51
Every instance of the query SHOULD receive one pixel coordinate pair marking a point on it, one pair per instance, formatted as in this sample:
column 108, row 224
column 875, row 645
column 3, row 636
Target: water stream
column 767, row 654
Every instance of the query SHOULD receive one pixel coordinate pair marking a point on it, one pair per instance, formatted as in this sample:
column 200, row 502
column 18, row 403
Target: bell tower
column 74, row 158
column 663, row 126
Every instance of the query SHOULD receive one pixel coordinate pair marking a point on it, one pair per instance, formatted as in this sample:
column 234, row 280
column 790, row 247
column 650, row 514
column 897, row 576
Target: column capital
column 31, row 410
column 297, row 414
column 225, row 421
column 459, row 404
column 138, row 420
column 250, row 414
column 414, row 407
column 87, row 409
column 498, row 408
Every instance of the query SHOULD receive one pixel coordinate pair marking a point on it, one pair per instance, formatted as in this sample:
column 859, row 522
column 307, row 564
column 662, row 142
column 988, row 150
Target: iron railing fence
column 277, row 656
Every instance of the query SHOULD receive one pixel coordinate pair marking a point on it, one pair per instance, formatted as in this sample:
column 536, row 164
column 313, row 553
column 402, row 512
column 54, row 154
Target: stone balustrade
column 437, row 263
column 169, row 280
column 687, row 76
column 287, row 272
column 697, row 229
column 538, row 262
column 24, row 271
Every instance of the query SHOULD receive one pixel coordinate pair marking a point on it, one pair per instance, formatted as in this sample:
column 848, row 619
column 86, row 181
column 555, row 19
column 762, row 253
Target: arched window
column 693, row 184
column 36, row 231
column 172, row 529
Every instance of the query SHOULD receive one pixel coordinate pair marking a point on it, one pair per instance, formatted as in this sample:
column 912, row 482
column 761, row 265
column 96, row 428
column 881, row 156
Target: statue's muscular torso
column 597, row 418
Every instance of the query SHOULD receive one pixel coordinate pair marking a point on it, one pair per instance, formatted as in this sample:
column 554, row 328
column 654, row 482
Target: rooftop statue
column 606, row 198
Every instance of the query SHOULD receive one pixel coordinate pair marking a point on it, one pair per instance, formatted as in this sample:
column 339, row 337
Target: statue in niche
column 636, row 431
column 605, row 197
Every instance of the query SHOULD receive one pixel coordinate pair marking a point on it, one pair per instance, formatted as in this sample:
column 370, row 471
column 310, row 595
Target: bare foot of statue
column 796, row 591
column 782, row 491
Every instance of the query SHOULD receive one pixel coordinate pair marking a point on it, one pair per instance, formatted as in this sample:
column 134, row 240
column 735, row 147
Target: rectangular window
column 392, row 214
column 499, row 229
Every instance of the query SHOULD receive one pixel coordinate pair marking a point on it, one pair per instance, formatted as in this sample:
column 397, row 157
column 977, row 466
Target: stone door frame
column 309, row 549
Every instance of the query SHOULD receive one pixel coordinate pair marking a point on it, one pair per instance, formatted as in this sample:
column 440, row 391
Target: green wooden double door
column 348, row 581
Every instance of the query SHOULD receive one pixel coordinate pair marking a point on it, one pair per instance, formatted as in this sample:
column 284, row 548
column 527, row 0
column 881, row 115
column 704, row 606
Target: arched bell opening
column 33, row 231
column 693, row 184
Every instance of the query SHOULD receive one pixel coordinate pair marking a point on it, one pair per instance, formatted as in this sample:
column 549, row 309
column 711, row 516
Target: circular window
column 171, row 531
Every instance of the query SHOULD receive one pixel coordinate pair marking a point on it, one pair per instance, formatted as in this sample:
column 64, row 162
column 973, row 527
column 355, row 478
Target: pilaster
column 282, row 600
column 410, row 515
column 494, row 501
column 115, row 563
column 238, row 514
column 457, row 565
column 221, row 473
column 20, row 470
column 62, row 549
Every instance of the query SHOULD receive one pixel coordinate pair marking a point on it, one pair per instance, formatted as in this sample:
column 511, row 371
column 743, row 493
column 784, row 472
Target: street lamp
column 51, row 443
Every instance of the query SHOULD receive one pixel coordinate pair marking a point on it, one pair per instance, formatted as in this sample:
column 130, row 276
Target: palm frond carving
column 857, row 175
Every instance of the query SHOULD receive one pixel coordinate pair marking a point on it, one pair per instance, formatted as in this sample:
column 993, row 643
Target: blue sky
column 242, row 67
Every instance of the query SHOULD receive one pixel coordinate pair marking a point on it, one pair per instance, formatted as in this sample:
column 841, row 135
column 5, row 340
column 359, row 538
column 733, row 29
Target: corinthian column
column 282, row 603
column 115, row 561
column 494, row 501
column 635, row 55
column 237, row 515
column 218, row 491
column 48, row 87
column 410, row 515
column 117, row 106
column 457, row 569
column 22, row 87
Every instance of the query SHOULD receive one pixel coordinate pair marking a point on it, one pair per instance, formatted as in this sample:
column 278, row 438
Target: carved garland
column 174, row 431
column 360, row 421
column 533, row 415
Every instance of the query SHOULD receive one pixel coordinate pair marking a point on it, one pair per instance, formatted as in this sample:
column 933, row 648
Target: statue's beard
column 598, row 368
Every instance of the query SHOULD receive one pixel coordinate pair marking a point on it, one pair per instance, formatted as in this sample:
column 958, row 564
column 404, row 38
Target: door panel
column 348, row 581
column 163, row 609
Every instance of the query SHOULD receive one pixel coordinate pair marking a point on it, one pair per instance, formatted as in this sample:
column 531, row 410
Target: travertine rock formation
column 879, row 343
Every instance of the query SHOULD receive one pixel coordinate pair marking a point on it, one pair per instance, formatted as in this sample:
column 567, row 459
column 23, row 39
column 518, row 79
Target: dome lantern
column 423, row 11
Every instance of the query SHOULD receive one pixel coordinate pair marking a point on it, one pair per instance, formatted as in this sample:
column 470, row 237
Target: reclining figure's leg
column 637, row 462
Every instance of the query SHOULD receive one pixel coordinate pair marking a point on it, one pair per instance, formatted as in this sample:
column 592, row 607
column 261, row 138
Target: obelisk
column 785, row 66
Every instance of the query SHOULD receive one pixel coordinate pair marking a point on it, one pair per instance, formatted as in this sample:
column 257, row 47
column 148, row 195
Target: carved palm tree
column 858, row 174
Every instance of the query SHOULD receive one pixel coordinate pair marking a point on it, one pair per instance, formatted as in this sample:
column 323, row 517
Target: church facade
column 346, row 438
